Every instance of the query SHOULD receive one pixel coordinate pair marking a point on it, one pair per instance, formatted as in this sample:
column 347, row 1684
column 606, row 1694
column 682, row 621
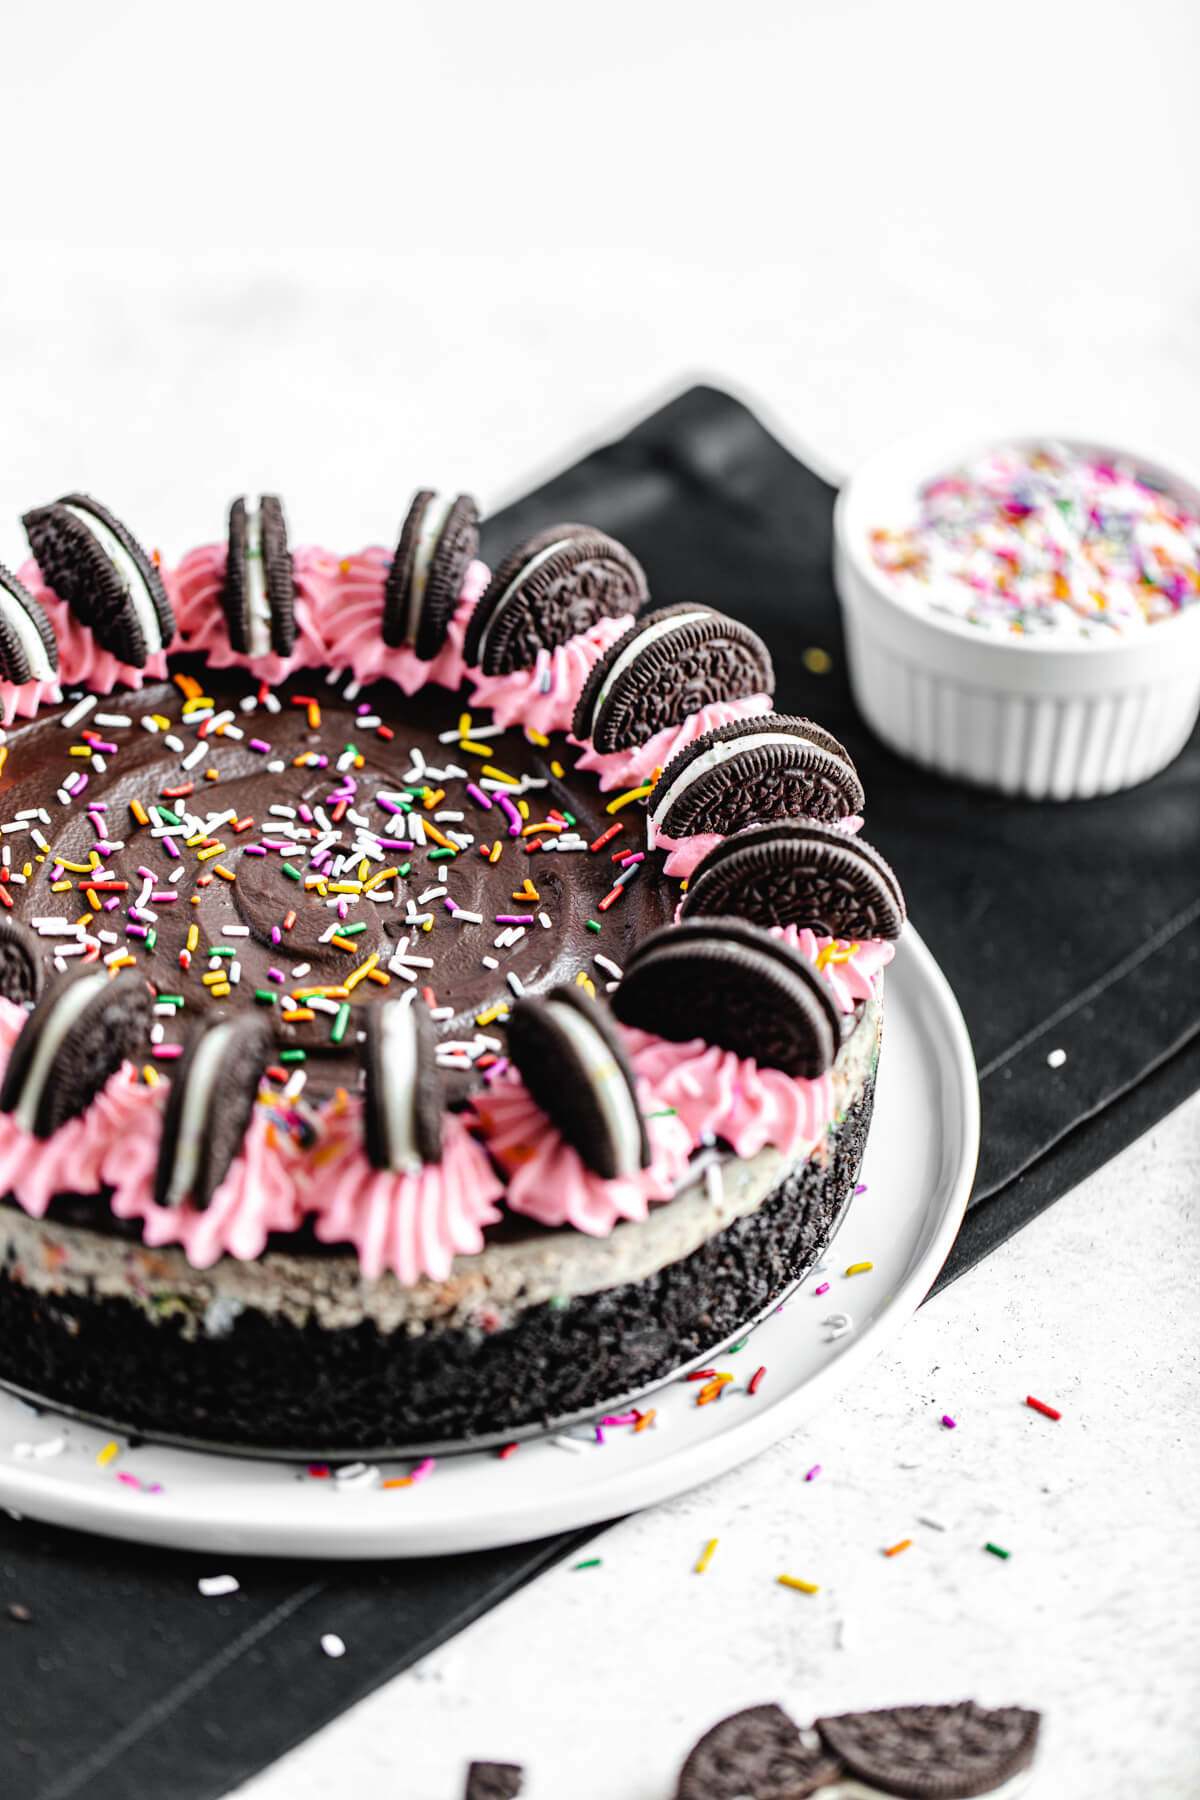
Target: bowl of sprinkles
column 1023, row 612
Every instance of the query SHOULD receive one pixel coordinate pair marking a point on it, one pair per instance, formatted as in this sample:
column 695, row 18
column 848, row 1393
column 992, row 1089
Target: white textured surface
column 341, row 254
column 600, row 1679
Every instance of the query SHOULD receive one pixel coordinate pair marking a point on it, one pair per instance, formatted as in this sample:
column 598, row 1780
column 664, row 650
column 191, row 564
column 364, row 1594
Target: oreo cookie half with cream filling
column 28, row 647
column 210, row 1105
column 258, row 598
column 757, row 1754
column 751, row 771
column 100, row 570
column 438, row 540
column 20, row 961
column 550, row 588
column 799, row 874
column 934, row 1752
column 78, row 1035
column 671, row 664
column 403, row 1118
column 574, row 1065
column 733, row 984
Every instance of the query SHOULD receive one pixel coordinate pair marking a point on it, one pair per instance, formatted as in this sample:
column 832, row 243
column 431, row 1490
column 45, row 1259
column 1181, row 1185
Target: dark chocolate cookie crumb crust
column 303, row 1390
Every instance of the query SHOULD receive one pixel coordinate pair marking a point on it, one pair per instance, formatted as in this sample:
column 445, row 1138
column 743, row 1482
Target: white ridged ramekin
column 1046, row 718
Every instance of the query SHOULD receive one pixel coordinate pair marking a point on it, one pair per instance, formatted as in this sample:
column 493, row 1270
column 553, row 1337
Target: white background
column 340, row 251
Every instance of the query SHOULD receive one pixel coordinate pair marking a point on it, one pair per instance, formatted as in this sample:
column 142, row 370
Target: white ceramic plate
column 918, row 1171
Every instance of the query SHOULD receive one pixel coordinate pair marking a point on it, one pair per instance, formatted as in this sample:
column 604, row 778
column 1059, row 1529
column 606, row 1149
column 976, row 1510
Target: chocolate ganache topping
column 290, row 848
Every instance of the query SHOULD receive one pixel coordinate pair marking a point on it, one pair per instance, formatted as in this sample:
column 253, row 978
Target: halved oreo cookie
column 403, row 1118
column 733, row 984
column 756, row 1755
column 934, row 1752
column 799, row 874
column 437, row 542
column 671, row 664
column 494, row 1781
column 573, row 1062
column 21, row 971
column 100, row 570
column 28, row 646
column 258, row 599
column 547, row 590
column 213, row 1089
column 79, row 1033
column 755, row 770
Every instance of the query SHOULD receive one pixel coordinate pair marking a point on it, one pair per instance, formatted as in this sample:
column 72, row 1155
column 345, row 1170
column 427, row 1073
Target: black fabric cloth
column 1072, row 927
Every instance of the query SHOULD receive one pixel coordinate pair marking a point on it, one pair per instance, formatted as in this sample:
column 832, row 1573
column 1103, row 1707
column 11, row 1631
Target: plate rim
column 31, row 1489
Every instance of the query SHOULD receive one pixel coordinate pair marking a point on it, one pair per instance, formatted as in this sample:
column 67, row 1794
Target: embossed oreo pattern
column 803, row 875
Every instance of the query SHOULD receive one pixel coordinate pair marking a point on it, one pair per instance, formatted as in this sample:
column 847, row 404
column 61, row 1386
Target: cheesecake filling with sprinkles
column 395, row 883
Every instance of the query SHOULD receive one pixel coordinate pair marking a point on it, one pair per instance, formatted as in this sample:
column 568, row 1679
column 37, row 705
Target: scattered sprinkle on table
column 895, row 1549
column 995, row 1550
column 1057, row 1058
column 813, row 1472
column 213, row 1586
column 332, row 1644
column 817, row 661
column 949, row 1423
column 860, row 1268
column 800, row 1587
column 589, row 1562
column 1047, row 1412
column 706, row 1555
column 756, row 1381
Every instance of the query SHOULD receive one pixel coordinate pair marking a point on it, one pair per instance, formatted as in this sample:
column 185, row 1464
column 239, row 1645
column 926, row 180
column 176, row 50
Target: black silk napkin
column 1071, row 928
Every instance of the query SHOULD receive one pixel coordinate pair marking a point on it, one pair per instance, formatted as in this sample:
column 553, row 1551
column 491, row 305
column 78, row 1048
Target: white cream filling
column 617, row 1105
column 68, row 1009
column 30, row 639
column 522, row 574
column 205, row 1067
column 132, row 579
column 433, row 523
column 635, row 644
column 258, row 606
column 712, row 758
column 398, row 1086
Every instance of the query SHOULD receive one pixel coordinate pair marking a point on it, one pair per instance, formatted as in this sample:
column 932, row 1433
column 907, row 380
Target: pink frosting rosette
column 413, row 1224
column 632, row 768
column 80, row 659
column 543, row 698
column 195, row 589
column 548, row 1179
column 686, row 854
column 714, row 1092
column 850, row 967
column 349, row 619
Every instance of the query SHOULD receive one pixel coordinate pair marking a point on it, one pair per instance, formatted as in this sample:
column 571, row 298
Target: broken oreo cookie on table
column 96, row 565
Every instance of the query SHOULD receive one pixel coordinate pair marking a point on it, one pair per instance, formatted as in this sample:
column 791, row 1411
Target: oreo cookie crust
column 547, row 590
column 209, row 1107
column 28, row 647
column 438, row 541
column 934, row 1752
column 573, row 1063
column 258, row 598
column 81, row 1031
column 799, row 874
column 752, row 771
column 20, row 961
column 671, row 664
column 99, row 569
column 733, row 984
column 757, row 1754
column 403, row 1105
